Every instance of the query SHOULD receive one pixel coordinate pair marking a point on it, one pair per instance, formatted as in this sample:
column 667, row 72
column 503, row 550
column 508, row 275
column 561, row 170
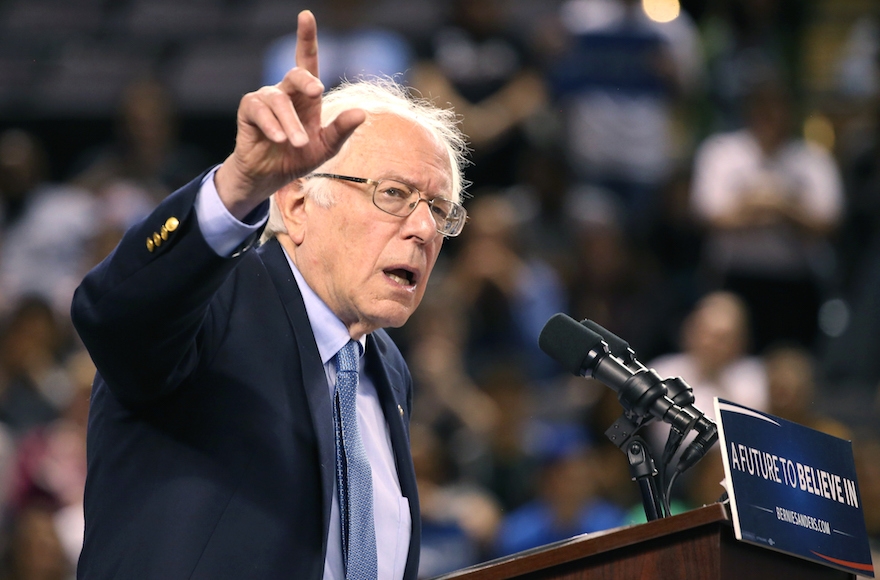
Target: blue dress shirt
column 224, row 233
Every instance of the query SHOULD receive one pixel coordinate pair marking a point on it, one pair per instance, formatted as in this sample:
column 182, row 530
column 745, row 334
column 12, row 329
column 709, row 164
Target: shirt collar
column 330, row 333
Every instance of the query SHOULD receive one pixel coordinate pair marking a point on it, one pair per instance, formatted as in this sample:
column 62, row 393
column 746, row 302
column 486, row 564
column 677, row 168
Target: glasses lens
column 455, row 219
column 401, row 200
column 394, row 197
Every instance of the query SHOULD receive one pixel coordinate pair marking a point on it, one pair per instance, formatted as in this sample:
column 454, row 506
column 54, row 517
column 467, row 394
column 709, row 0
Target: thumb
column 341, row 128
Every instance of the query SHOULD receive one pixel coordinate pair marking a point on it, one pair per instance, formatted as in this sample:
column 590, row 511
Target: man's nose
column 422, row 220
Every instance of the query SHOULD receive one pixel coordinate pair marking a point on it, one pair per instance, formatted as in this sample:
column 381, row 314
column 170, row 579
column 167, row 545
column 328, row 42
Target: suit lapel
column 314, row 379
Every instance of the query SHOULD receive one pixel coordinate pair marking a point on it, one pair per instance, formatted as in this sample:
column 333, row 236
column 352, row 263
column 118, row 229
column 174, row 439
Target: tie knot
column 347, row 357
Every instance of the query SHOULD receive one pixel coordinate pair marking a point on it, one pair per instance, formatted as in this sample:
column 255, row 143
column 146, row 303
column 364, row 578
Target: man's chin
column 394, row 315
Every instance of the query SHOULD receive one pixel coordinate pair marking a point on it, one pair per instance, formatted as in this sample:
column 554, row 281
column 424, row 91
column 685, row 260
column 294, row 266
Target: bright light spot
column 834, row 317
column 661, row 10
column 819, row 129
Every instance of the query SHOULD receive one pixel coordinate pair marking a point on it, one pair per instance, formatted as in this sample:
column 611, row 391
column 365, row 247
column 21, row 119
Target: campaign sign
column 793, row 489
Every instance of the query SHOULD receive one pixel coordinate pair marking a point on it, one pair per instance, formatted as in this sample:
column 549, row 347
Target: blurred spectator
column 7, row 474
column 862, row 216
column 613, row 282
column 34, row 385
column 540, row 195
column 47, row 226
column 744, row 39
column 506, row 293
column 51, row 461
column 848, row 355
column 485, row 71
column 858, row 76
column 510, row 466
column 621, row 80
column 352, row 45
column 568, row 501
column 849, row 362
column 446, row 397
column 791, row 381
column 23, row 168
column 714, row 358
column 34, row 551
column 459, row 519
column 146, row 160
column 677, row 239
column 769, row 202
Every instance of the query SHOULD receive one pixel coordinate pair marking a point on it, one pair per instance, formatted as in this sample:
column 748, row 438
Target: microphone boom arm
column 587, row 349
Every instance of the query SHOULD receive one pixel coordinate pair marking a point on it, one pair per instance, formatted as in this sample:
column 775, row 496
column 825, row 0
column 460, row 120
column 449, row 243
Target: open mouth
column 402, row 276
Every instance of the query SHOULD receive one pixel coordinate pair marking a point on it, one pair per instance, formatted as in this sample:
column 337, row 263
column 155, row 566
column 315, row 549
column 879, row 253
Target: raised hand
column 280, row 136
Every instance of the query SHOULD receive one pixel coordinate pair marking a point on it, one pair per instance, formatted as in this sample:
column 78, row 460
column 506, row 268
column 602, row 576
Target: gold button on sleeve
column 172, row 223
column 164, row 233
column 150, row 245
column 157, row 239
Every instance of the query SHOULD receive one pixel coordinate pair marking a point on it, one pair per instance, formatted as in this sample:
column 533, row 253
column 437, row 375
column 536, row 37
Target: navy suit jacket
column 210, row 441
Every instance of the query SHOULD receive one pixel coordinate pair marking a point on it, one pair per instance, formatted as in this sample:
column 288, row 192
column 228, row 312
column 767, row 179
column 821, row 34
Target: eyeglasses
column 399, row 199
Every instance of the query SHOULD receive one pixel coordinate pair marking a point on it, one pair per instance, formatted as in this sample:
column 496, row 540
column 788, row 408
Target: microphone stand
column 587, row 349
column 623, row 433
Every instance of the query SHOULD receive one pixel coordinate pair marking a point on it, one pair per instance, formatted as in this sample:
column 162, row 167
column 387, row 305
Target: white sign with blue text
column 793, row 489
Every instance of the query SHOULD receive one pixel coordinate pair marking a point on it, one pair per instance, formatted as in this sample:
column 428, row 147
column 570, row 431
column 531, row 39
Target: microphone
column 678, row 391
column 707, row 432
column 617, row 346
column 583, row 352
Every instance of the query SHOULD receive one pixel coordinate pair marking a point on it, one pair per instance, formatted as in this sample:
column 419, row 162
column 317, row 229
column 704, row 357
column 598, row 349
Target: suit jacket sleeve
column 141, row 311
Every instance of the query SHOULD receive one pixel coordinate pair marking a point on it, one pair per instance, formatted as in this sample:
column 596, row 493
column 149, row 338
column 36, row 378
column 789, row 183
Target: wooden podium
column 696, row 545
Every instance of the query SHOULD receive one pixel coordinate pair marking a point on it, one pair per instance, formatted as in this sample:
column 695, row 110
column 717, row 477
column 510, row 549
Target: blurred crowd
column 666, row 170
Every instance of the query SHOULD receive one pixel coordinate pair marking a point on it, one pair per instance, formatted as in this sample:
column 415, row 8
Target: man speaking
column 249, row 419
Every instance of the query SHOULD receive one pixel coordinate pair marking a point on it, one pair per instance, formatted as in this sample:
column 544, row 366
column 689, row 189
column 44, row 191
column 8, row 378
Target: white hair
column 378, row 96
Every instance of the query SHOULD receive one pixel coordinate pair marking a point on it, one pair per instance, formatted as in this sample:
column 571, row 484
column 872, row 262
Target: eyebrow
column 449, row 197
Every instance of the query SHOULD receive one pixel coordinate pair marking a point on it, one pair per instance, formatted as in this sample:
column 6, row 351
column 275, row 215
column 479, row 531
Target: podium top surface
column 587, row 545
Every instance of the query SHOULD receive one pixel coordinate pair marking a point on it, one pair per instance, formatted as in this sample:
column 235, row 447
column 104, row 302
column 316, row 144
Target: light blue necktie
column 354, row 480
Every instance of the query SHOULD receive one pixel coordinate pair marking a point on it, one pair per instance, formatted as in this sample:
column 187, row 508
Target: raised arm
column 280, row 136
column 143, row 311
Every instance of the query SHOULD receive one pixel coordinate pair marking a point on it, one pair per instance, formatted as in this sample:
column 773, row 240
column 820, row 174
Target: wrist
column 238, row 192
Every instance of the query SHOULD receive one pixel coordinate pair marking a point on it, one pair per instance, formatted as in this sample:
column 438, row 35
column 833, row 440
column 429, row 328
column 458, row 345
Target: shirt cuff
column 222, row 231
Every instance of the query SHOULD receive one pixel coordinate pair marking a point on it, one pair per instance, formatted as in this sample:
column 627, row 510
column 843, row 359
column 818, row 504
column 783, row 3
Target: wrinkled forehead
column 388, row 142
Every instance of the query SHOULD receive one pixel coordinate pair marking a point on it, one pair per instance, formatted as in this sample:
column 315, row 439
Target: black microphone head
column 568, row 342
column 617, row 345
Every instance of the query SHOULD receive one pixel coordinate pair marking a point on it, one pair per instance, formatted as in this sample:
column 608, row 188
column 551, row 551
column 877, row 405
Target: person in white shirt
column 769, row 202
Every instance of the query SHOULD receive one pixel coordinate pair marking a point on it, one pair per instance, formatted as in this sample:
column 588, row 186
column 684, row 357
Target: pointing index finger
column 307, row 42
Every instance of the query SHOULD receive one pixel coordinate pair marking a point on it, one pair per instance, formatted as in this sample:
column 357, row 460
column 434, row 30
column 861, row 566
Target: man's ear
column 291, row 202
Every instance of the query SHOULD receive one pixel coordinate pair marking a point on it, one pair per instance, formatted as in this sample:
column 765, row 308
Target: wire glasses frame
column 396, row 198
